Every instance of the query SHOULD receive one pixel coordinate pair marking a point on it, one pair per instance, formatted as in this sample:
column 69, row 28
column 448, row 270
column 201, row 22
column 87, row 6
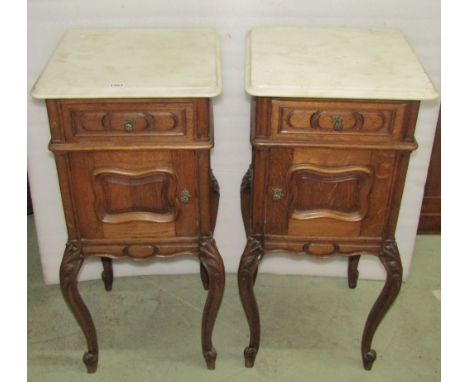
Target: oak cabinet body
column 326, row 191
column 131, row 131
column 332, row 131
column 128, row 192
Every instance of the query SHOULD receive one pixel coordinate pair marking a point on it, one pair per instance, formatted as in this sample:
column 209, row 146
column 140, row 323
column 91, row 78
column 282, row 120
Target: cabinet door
column 135, row 194
column 328, row 192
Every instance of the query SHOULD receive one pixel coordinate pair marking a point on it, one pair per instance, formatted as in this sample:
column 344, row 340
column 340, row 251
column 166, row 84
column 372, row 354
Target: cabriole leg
column 69, row 269
column 204, row 276
column 390, row 258
column 247, row 271
column 353, row 273
column 107, row 274
column 213, row 264
column 246, row 189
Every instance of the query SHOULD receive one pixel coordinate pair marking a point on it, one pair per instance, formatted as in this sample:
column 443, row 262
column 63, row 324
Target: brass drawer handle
column 184, row 196
column 337, row 123
column 128, row 125
column 277, row 193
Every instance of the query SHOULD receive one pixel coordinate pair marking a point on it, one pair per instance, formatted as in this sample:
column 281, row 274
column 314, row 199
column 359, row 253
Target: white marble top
column 334, row 63
column 133, row 63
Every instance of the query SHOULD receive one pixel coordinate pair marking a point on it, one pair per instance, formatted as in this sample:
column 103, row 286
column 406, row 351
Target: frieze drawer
column 126, row 121
column 337, row 121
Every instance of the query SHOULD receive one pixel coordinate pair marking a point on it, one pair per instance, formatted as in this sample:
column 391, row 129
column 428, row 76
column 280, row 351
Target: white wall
column 48, row 19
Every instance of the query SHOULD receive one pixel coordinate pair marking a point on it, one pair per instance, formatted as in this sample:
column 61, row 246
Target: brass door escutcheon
column 277, row 193
column 184, row 196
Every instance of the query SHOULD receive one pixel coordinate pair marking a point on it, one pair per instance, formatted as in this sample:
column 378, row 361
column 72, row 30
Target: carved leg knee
column 246, row 188
column 390, row 258
column 353, row 273
column 214, row 266
column 247, row 270
column 107, row 274
column 69, row 269
column 204, row 277
column 214, row 200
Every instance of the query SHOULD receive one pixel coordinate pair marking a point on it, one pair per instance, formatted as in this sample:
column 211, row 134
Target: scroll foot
column 368, row 359
column 210, row 358
column 249, row 355
column 91, row 361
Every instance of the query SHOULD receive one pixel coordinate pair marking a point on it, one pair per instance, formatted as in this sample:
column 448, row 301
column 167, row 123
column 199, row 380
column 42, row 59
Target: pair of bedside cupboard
column 334, row 112
column 131, row 131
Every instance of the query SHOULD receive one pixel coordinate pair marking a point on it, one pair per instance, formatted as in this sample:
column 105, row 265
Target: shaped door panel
column 135, row 194
column 322, row 192
column 340, row 193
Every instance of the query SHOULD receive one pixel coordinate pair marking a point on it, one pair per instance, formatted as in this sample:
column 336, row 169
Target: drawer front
column 336, row 121
column 128, row 121
column 325, row 192
column 123, row 194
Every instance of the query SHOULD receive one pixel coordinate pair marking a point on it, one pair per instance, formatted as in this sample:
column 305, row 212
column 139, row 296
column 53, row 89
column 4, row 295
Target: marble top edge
column 349, row 94
column 264, row 61
column 127, row 93
column 200, row 78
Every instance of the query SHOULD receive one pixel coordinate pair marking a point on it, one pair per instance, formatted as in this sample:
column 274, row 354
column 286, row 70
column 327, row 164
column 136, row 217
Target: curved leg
column 214, row 200
column 246, row 187
column 247, row 269
column 204, row 277
column 353, row 273
column 213, row 263
column 214, row 203
column 390, row 258
column 107, row 274
column 69, row 269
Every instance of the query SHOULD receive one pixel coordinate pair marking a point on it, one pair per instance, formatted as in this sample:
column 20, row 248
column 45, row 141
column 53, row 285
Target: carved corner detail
column 252, row 255
column 390, row 258
column 214, row 183
column 246, row 204
column 247, row 179
column 210, row 258
column 72, row 258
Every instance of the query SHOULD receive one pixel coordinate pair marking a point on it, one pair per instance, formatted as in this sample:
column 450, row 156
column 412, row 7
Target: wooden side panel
column 261, row 117
column 204, row 118
column 204, row 192
column 81, row 166
column 185, row 166
column 259, row 187
column 66, row 183
column 396, row 192
column 55, row 121
column 276, row 204
column 383, row 163
column 430, row 218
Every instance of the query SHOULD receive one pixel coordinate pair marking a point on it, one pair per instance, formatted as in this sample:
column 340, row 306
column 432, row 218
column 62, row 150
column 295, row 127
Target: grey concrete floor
column 149, row 328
